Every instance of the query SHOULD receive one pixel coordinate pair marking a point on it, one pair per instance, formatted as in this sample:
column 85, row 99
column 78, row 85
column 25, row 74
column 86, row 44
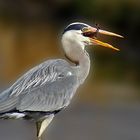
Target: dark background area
column 107, row 106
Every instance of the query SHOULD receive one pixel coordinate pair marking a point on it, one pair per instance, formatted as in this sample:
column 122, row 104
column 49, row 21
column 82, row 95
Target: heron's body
column 49, row 87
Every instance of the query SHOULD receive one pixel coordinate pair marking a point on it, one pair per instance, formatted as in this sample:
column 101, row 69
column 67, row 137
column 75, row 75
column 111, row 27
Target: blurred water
column 81, row 122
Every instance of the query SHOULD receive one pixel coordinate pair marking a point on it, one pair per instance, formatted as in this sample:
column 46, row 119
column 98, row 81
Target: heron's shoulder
column 48, row 64
column 60, row 66
column 55, row 65
column 55, row 62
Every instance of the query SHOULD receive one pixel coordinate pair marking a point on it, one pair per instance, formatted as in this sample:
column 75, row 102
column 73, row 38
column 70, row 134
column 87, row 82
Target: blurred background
column 108, row 105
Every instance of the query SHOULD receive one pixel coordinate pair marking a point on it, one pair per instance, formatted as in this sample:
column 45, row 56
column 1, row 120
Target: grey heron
column 49, row 87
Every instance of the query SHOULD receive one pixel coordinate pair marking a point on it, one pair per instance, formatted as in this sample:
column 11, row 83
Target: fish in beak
column 92, row 32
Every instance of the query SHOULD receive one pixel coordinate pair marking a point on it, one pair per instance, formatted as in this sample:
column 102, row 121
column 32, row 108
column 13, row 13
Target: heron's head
column 81, row 34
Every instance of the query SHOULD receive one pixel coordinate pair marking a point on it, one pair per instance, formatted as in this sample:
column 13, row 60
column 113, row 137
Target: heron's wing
column 27, row 93
column 50, row 97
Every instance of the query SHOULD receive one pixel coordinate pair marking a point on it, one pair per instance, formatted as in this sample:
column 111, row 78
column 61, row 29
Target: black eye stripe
column 75, row 27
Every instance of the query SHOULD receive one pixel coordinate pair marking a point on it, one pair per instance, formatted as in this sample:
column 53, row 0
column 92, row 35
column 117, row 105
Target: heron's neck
column 83, row 67
column 79, row 56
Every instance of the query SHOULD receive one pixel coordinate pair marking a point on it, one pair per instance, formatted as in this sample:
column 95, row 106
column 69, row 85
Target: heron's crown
column 75, row 26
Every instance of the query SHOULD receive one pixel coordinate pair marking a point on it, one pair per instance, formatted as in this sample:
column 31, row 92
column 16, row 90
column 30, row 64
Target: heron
column 49, row 87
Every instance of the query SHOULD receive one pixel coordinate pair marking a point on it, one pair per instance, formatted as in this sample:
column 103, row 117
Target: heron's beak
column 92, row 32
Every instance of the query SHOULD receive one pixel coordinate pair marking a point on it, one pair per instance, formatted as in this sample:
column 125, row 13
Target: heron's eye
column 85, row 29
column 87, row 33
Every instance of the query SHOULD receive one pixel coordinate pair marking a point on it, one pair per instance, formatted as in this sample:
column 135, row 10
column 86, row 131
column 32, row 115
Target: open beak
column 92, row 32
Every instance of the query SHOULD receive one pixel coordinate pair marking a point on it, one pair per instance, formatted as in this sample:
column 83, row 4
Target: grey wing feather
column 43, row 88
column 50, row 97
column 35, row 77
